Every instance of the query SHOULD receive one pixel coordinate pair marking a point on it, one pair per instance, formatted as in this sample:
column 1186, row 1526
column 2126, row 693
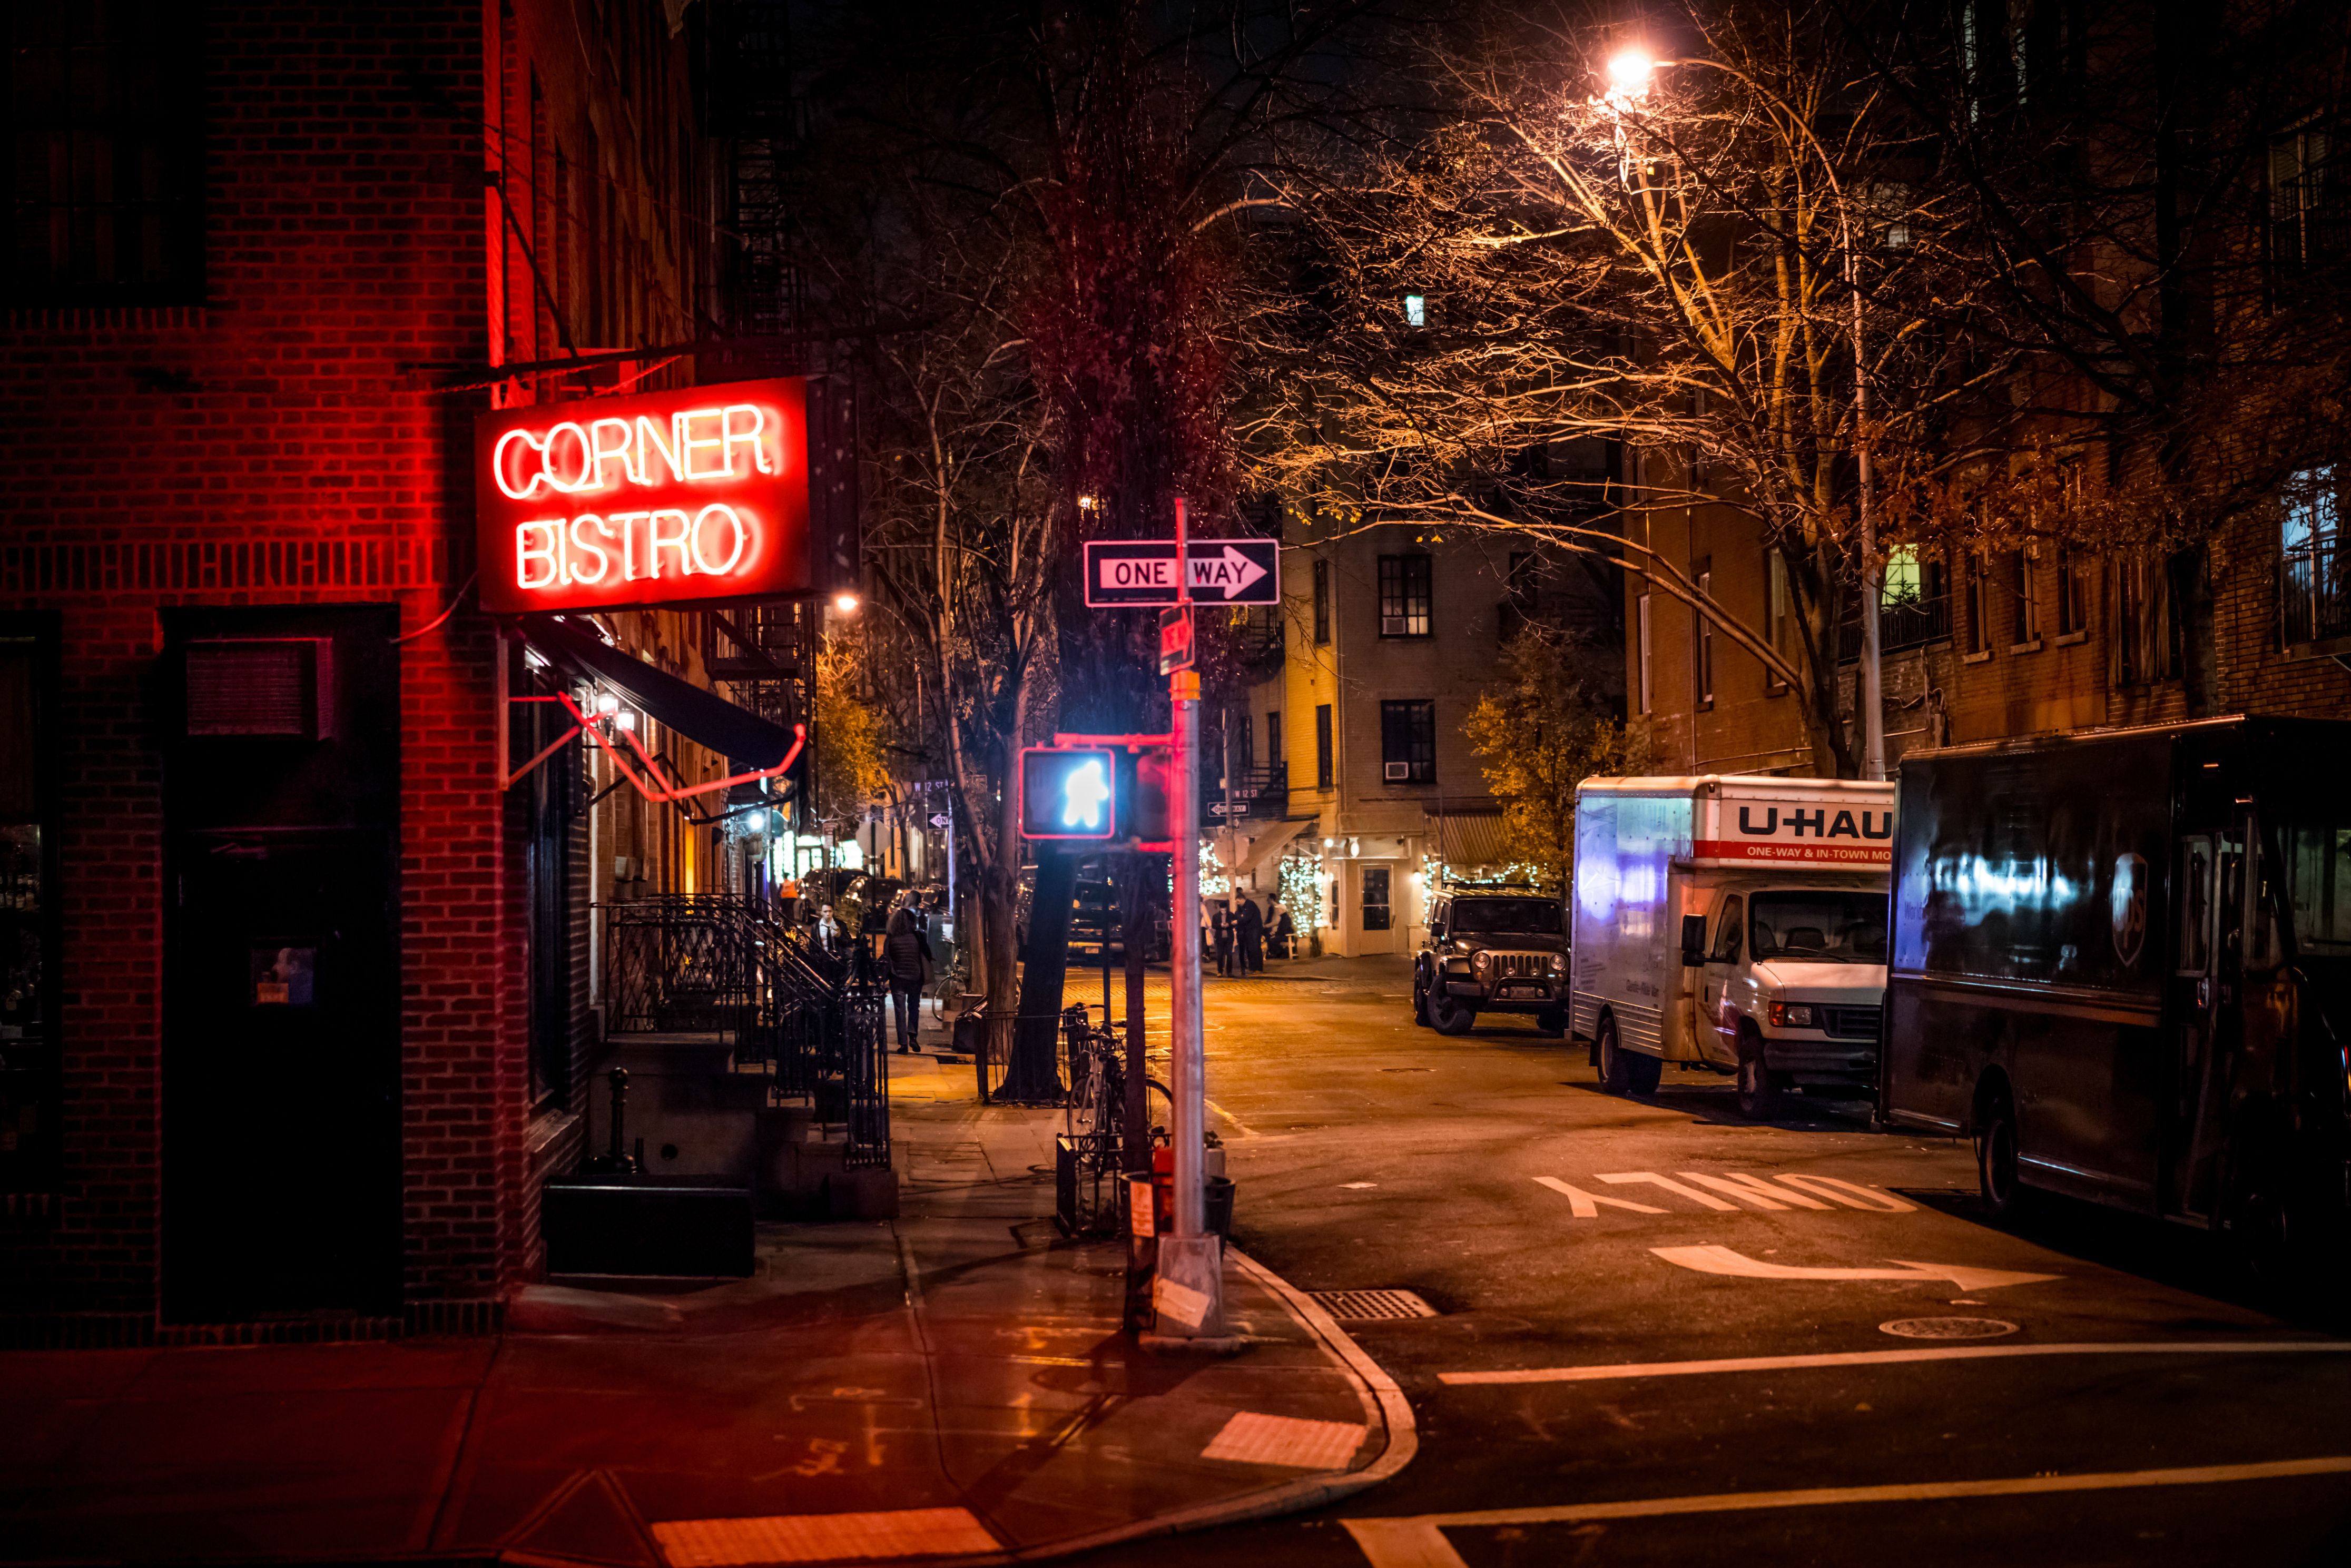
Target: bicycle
column 1096, row 1107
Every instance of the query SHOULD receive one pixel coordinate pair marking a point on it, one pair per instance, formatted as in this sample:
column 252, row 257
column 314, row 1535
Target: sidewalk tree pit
column 669, row 497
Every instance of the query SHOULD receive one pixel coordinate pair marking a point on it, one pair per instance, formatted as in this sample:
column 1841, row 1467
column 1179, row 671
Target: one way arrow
column 1723, row 1260
column 1232, row 571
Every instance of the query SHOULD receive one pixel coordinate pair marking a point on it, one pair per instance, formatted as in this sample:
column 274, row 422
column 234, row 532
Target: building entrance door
column 1377, row 908
column 281, row 1150
column 280, row 1113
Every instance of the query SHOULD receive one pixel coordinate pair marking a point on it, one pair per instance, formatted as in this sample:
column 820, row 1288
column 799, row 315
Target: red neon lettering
column 657, row 539
column 651, row 443
column 586, row 477
column 732, row 437
column 549, row 553
column 742, row 538
column 627, row 523
column 600, row 454
column 688, row 444
column 581, row 545
column 498, row 464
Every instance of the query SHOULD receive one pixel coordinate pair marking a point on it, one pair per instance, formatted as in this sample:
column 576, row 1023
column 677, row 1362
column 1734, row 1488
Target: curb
column 1380, row 1391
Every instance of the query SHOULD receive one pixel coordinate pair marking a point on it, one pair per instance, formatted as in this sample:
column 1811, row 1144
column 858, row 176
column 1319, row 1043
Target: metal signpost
column 1188, row 1290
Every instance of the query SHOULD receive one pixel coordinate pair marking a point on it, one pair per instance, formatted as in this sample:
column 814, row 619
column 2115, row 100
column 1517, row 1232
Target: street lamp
column 846, row 603
column 1629, row 71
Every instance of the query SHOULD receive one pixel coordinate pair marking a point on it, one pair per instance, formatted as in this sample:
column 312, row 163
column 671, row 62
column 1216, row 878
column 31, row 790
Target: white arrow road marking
column 1723, row 1260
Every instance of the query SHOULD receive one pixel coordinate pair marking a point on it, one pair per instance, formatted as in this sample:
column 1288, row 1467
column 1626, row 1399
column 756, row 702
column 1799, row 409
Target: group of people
column 908, row 961
column 1239, row 934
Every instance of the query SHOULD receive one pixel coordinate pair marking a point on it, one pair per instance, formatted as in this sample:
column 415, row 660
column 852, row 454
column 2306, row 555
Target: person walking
column 826, row 934
column 1248, row 930
column 1220, row 925
column 906, row 957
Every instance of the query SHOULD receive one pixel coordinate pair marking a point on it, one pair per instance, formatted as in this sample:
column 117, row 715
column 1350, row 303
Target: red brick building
column 293, row 1024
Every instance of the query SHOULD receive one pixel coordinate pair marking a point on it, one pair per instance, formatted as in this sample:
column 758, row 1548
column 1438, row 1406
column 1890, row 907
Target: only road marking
column 1723, row 1260
column 1419, row 1542
column 1793, row 1190
column 1632, row 1369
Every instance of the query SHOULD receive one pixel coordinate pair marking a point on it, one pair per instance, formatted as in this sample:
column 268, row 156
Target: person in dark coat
column 1249, row 931
column 1220, row 925
column 906, row 956
column 1281, row 936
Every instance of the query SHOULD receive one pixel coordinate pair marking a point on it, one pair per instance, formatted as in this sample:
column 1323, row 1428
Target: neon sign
column 664, row 499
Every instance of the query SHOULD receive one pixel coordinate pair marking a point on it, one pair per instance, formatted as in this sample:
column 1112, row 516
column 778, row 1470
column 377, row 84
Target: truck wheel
column 1553, row 1024
column 1996, row 1175
column 1759, row 1097
column 1641, row 1074
column 1419, row 1003
column 1452, row 1015
column 1613, row 1076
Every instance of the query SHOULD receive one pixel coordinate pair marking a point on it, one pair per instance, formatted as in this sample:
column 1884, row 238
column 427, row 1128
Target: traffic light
column 1068, row 793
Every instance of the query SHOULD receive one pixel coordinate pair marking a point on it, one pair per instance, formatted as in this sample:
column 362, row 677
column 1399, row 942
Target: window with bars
column 2312, row 600
column 2307, row 217
column 106, row 173
column 1408, row 742
column 1404, row 595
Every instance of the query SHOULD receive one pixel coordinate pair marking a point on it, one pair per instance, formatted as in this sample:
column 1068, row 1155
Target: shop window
column 29, row 914
column 105, row 176
column 1408, row 742
column 1404, row 595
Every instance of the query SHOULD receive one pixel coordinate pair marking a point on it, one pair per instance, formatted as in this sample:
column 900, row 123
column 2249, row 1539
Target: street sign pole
column 1188, row 1290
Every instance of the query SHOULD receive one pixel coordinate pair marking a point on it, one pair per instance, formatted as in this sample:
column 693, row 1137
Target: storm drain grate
column 1371, row 1306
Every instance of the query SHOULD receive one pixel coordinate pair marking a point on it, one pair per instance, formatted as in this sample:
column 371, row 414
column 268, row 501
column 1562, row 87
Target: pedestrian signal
column 1068, row 793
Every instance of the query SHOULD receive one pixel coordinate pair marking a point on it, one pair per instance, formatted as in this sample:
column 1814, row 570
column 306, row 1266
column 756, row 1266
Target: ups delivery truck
column 2122, row 965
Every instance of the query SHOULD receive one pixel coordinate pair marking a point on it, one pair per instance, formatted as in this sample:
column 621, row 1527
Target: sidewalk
column 951, row 1385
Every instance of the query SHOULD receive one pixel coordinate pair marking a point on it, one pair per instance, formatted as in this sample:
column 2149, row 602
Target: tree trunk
column 1044, row 967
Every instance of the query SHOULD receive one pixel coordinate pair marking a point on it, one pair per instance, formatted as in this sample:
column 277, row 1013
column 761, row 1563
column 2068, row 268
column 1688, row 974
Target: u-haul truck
column 1735, row 922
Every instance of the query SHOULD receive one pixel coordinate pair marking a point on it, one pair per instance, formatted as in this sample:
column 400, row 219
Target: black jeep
column 1492, row 950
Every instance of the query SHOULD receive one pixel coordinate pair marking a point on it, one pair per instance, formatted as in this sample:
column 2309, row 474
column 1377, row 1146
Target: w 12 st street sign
column 1222, row 571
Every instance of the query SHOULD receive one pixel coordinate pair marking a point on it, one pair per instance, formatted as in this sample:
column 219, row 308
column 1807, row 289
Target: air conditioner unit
column 1396, row 772
column 1395, row 626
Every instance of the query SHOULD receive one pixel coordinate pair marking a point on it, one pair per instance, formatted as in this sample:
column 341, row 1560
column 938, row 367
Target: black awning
column 749, row 742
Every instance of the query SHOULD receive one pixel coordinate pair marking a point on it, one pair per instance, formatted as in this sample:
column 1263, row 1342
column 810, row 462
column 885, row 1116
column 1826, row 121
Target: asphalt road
column 1556, row 1230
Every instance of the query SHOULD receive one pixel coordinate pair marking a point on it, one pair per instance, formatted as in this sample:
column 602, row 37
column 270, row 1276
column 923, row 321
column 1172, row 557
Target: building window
column 1244, row 737
column 2072, row 594
column 1775, row 613
column 1325, row 764
column 1522, row 594
column 106, row 180
column 1409, row 743
column 1641, row 645
column 1404, row 595
column 2027, row 624
column 1702, row 652
column 1979, row 631
column 2311, row 588
column 2307, row 219
column 1273, row 738
column 1321, row 603
column 1416, row 310
column 2146, row 642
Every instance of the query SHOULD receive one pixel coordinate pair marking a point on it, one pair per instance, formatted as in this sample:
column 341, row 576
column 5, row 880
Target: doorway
column 281, row 966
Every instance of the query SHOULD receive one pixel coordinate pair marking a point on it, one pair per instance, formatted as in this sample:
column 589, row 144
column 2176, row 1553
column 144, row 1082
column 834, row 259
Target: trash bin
column 1219, row 1199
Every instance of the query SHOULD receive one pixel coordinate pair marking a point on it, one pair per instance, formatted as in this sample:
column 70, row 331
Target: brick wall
column 271, row 446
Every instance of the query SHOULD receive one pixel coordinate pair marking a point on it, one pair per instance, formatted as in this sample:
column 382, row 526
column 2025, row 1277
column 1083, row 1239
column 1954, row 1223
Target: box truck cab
column 1733, row 922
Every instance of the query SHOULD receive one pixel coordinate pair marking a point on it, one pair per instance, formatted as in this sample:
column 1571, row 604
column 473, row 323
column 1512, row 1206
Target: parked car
column 1501, row 949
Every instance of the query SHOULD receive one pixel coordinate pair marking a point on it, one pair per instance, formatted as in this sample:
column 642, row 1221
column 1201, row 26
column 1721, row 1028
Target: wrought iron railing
column 712, row 964
column 2314, row 592
column 1910, row 622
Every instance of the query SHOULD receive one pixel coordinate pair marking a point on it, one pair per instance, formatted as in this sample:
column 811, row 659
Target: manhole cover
column 1371, row 1306
column 1948, row 1328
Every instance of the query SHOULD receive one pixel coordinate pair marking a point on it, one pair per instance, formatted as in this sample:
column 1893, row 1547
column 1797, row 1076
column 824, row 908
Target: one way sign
column 1223, row 572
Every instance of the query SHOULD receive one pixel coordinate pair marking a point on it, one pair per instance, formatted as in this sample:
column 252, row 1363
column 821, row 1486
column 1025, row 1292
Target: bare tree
column 1737, row 261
